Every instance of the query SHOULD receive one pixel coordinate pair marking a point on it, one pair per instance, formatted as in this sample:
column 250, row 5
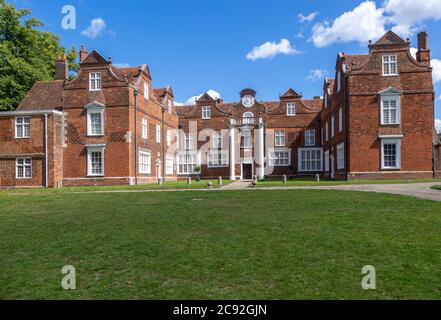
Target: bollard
column 317, row 178
column 160, row 181
column 254, row 183
column 219, row 182
column 189, row 181
column 284, row 179
column 210, row 185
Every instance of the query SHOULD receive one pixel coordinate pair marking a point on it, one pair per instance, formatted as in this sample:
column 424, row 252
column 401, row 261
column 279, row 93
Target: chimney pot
column 83, row 53
column 61, row 68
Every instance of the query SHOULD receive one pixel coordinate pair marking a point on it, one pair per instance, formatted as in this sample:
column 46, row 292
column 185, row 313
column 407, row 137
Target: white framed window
column 187, row 162
column 327, row 131
column 248, row 118
column 310, row 159
column 95, row 121
column 170, row 106
column 158, row 133
column 327, row 161
column 189, row 142
column 169, row 138
column 217, row 159
column 340, row 120
column 169, row 163
column 206, row 113
column 341, row 156
column 390, row 153
column 309, row 138
column 390, row 110
column 145, row 162
column 22, row 127
column 23, row 168
column 338, row 81
column 95, row 160
column 280, row 158
column 146, row 90
column 291, row 109
column 95, row 83
column 280, row 139
column 332, row 127
column 145, row 128
column 246, row 139
column 217, row 140
column 390, row 65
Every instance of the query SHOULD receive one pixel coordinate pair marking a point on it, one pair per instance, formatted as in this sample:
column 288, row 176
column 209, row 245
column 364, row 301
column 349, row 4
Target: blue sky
column 198, row 45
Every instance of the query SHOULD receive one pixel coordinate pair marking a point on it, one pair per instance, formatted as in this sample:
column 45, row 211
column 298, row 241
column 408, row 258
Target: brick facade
column 368, row 125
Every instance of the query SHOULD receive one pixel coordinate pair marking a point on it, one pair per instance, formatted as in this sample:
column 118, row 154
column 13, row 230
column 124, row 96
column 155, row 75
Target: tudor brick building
column 110, row 126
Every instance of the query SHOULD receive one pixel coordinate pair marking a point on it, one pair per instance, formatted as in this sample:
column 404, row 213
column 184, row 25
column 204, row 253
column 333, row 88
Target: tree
column 27, row 54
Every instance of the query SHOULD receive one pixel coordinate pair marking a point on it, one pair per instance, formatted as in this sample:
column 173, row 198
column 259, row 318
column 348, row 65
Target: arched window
column 248, row 118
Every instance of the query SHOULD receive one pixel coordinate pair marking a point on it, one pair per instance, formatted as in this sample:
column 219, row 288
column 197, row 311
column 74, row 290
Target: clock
column 248, row 101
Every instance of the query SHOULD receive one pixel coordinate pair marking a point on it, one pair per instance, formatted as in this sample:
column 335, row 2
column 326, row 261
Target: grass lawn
column 437, row 187
column 181, row 184
column 310, row 181
column 252, row 244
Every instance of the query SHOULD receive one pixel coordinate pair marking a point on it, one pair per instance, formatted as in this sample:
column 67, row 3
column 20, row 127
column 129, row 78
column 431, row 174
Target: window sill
column 95, row 135
column 22, row 138
column 390, row 75
column 95, row 90
column 96, row 176
column 390, row 169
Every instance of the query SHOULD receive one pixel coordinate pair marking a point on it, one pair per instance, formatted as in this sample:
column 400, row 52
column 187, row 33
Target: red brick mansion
column 110, row 126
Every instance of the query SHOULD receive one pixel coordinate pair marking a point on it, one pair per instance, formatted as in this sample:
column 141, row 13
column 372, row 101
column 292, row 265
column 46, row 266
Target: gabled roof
column 161, row 92
column 291, row 94
column 389, row 38
column 95, row 57
column 205, row 98
column 44, row 95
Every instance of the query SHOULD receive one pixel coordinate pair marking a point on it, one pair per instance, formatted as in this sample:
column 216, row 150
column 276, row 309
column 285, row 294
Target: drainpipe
column 163, row 144
column 135, row 93
column 347, row 129
column 46, row 151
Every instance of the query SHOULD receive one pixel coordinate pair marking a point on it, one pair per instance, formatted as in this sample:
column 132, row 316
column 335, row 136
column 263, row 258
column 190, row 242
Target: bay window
column 187, row 162
column 280, row 158
column 217, row 159
column 310, row 159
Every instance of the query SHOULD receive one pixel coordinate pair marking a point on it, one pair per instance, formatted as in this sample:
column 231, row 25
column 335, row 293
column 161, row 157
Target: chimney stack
column 83, row 54
column 423, row 54
column 61, row 68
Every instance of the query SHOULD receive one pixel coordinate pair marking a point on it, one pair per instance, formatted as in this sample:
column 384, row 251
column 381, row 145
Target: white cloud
column 192, row 100
column 96, row 28
column 413, row 52
column 362, row 24
column 309, row 18
column 121, row 65
column 436, row 65
column 406, row 14
column 316, row 74
column 438, row 125
column 269, row 50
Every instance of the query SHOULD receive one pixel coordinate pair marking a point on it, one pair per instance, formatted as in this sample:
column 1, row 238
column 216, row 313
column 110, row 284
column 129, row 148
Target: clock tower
column 248, row 97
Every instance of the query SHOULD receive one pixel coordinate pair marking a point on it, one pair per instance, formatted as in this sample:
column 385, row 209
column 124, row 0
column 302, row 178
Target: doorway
column 247, row 171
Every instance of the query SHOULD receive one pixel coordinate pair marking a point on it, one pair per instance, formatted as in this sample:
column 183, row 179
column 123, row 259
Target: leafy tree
column 26, row 54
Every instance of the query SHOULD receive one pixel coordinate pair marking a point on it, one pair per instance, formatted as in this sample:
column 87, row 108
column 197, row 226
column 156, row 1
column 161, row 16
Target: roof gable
column 291, row 94
column 390, row 38
column 205, row 98
column 95, row 57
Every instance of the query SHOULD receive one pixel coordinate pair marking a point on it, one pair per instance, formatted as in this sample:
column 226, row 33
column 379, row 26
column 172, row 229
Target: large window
column 291, row 109
column 22, row 127
column 390, row 153
column 95, row 121
column 217, row 159
column 169, row 163
column 206, row 113
column 95, row 161
column 280, row 139
column 23, row 168
column 310, row 159
column 145, row 128
column 280, row 158
column 390, row 67
column 95, row 81
column 309, row 138
column 390, row 110
column 187, row 163
column 146, row 91
column 144, row 162
column 158, row 133
column 217, row 140
column 246, row 139
column 341, row 156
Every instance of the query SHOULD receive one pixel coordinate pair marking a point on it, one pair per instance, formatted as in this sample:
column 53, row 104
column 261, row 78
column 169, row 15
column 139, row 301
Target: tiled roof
column 355, row 61
column 44, row 95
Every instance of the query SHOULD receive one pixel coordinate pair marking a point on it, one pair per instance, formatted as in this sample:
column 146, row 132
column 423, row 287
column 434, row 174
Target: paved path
column 237, row 185
column 419, row 190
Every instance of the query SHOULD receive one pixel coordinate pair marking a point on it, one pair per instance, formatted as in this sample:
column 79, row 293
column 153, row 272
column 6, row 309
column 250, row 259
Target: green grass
column 309, row 181
column 178, row 185
column 437, row 187
column 253, row 244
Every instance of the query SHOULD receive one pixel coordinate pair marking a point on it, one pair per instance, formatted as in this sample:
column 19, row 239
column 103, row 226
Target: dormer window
column 390, row 65
column 95, row 81
column 206, row 113
column 146, row 91
column 291, row 109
